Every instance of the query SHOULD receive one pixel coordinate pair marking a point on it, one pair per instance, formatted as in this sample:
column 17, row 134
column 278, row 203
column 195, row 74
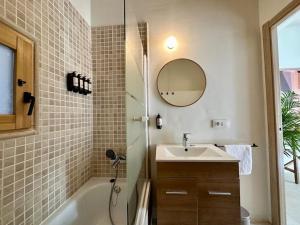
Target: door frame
column 275, row 161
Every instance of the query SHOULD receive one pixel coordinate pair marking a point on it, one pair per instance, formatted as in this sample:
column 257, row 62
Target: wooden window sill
column 17, row 133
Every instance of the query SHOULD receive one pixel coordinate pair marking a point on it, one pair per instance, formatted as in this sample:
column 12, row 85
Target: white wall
column 84, row 8
column 107, row 12
column 223, row 37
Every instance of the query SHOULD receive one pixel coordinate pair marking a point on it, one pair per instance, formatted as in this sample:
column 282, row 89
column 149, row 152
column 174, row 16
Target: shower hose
column 111, row 195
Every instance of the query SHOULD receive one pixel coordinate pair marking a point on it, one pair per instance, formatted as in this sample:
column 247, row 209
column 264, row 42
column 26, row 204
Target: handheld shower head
column 111, row 154
column 116, row 158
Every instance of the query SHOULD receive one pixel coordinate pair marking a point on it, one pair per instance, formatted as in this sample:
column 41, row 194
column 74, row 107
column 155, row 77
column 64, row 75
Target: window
column 7, row 86
column 16, row 80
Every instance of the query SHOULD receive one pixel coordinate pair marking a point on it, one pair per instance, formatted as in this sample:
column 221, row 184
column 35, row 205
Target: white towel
column 242, row 153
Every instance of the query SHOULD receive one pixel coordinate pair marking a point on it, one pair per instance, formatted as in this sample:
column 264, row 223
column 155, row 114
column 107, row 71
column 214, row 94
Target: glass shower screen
column 136, row 112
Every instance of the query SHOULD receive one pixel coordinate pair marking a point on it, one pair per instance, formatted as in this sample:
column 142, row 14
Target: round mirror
column 181, row 82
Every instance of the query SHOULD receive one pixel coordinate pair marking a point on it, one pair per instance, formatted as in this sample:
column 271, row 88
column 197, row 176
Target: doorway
column 282, row 79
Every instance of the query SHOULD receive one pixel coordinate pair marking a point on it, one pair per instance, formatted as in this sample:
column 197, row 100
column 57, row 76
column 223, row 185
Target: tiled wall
column 108, row 54
column 37, row 173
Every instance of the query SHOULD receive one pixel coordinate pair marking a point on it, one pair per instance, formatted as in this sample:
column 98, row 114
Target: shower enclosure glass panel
column 136, row 114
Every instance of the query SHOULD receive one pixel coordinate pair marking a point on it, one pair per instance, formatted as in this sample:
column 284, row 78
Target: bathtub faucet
column 117, row 161
column 116, row 158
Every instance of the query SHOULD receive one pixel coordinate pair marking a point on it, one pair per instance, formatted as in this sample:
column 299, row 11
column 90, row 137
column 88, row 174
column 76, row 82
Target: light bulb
column 171, row 42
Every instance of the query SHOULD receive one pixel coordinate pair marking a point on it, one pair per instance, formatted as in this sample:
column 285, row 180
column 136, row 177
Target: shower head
column 111, row 154
column 116, row 158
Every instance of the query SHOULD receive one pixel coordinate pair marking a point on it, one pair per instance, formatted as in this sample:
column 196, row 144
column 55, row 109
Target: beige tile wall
column 108, row 57
column 108, row 54
column 38, row 173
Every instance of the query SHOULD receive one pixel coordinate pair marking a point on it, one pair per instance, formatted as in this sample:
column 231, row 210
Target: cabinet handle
column 216, row 193
column 176, row 193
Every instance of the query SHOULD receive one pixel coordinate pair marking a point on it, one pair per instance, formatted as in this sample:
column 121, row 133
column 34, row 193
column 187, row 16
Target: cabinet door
column 177, row 202
column 171, row 217
column 219, row 203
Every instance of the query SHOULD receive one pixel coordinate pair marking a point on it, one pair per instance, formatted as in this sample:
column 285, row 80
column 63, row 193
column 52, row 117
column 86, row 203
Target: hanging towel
column 242, row 153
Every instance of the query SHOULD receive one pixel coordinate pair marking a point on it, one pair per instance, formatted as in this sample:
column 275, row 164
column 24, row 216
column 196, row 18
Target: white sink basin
column 195, row 153
column 177, row 151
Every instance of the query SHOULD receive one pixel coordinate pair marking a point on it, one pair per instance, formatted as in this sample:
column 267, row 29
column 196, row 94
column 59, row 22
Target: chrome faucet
column 186, row 140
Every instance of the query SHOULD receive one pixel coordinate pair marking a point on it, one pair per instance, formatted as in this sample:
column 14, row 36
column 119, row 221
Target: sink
column 195, row 153
column 178, row 151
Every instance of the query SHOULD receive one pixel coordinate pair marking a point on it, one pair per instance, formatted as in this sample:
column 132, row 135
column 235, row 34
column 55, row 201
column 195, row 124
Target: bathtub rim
column 143, row 207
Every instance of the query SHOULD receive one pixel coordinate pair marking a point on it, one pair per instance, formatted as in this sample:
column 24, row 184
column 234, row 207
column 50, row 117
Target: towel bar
column 222, row 146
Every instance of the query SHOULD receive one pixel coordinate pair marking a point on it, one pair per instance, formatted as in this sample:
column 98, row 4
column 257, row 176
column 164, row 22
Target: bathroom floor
column 292, row 193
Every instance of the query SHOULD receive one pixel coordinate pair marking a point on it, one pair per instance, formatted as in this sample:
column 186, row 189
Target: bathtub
column 89, row 205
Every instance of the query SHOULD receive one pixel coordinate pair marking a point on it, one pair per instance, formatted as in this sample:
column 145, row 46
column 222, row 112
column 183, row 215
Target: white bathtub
column 89, row 206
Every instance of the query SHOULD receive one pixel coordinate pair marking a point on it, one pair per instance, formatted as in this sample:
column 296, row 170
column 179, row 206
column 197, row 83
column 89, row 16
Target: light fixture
column 171, row 42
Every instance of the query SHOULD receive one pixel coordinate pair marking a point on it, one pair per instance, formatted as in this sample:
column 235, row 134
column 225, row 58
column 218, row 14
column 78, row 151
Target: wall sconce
column 171, row 42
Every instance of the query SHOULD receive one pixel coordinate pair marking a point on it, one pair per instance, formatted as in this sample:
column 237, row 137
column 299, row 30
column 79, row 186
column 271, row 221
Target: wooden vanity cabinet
column 198, row 193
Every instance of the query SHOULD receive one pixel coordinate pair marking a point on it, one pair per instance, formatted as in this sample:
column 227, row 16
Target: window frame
column 19, row 123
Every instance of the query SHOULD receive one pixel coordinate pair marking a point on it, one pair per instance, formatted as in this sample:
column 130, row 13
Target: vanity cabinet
column 198, row 193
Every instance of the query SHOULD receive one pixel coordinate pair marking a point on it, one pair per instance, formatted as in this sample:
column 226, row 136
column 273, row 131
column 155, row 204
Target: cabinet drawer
column 219, row 203
column 205, row 171
column 219, row 195
column 219, row 216
column 165, row 217
column 177, row 194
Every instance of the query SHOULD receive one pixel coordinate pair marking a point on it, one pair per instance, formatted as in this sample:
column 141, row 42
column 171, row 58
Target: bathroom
column 84, row 112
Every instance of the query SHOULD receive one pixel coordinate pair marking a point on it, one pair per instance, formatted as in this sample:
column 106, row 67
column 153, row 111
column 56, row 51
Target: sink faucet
column 186, row 140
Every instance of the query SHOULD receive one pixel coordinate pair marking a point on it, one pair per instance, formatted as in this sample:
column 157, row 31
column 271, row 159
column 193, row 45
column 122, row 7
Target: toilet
column 245, row 216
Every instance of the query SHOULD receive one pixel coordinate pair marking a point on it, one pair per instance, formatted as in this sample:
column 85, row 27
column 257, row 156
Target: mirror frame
column 205, row 80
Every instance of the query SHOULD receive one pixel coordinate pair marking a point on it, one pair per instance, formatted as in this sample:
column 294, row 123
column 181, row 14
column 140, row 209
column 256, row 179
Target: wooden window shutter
column 23, row 70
